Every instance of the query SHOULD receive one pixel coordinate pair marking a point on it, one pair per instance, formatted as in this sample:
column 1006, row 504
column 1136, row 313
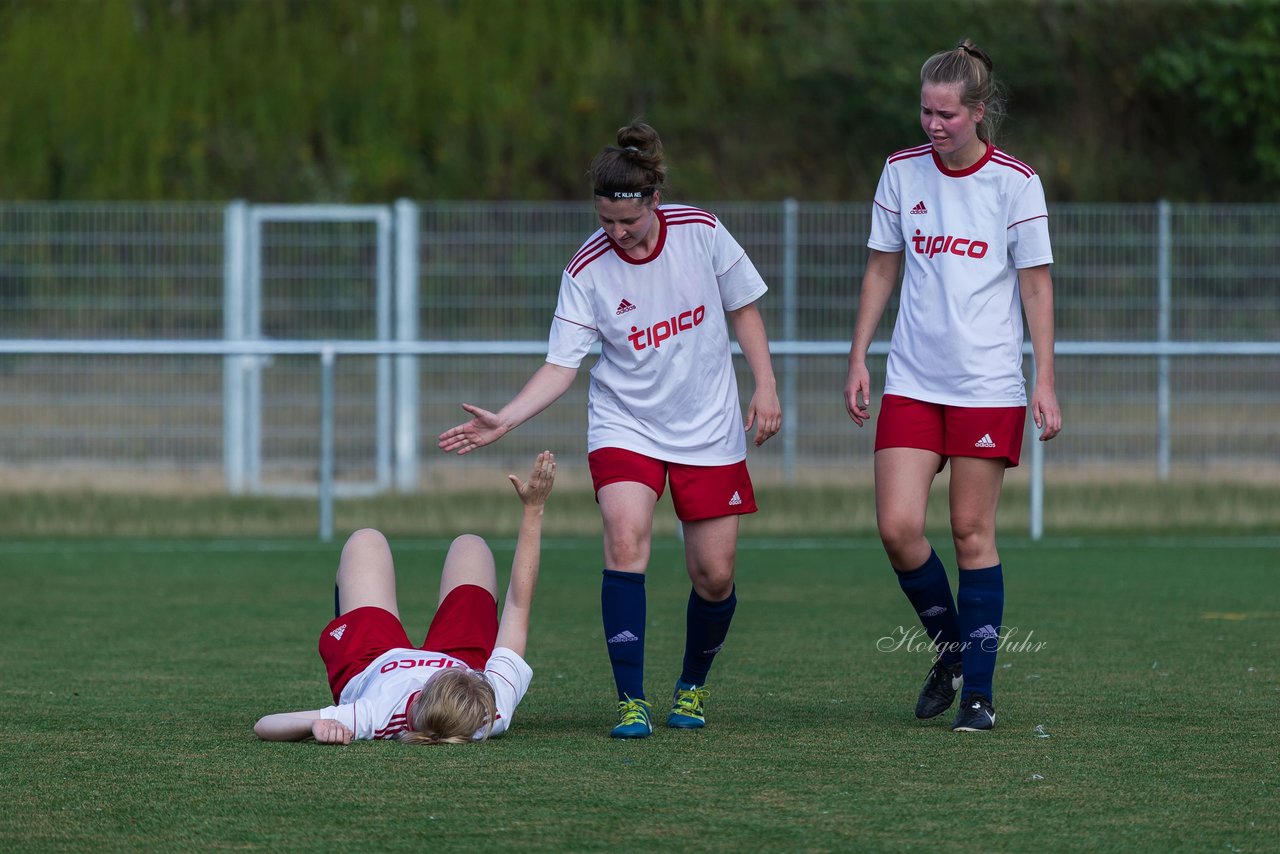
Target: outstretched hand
column 535, row 490
column 484, row 428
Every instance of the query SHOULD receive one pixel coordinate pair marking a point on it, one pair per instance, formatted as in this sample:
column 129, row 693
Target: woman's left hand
column 765, row 414
column 1045, row 412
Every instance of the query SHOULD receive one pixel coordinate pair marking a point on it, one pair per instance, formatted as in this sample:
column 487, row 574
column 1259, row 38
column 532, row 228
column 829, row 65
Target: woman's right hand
column 484, row 428
column 857, row 394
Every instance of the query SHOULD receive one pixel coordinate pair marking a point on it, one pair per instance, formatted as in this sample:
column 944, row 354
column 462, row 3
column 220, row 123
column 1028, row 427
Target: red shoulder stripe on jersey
column 580, row 263
column 692, row 219
column 1028, row 219
column 596, row 241
column 882, row 207
column 687, row 214
column 674, row 210
column 575, row 323
column 1003, row 159
column 907, row 153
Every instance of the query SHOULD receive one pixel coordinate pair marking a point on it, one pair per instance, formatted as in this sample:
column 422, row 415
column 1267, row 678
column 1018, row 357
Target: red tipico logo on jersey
column 664, row 329
column 944, row 244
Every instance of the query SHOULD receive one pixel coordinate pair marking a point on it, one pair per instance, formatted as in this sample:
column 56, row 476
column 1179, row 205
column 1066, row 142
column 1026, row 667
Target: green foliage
column 1227, row 81
column 273, row 100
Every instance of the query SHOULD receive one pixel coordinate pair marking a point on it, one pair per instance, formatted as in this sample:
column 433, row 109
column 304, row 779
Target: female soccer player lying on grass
column 465, row 681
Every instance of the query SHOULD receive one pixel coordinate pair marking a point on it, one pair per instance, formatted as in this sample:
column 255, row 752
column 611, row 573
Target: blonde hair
column 969, row 67
column 452, row 707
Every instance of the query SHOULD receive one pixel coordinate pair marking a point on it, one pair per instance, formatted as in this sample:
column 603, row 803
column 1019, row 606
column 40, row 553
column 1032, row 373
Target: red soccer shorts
column 952, row 431
column 465, row 626
column 697, row 492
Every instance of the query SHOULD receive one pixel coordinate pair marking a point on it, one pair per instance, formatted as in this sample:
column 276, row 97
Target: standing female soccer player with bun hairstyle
column 464, row 683
column 653, row 286
column 973, row 225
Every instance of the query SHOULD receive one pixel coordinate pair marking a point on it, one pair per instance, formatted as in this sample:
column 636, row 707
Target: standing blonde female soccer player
column 972, row 224
column 465, row 681
column 653, row 286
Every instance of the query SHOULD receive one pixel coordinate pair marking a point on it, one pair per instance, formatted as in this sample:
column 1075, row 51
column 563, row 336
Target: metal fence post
column 1163, row 334
column 328, row 356
column 790, row 264
column 234, row 235
column 1037, row 474
column 406, row 405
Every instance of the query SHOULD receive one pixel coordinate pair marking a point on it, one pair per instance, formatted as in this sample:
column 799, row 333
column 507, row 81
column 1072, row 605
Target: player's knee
column 364, row 541
column 714, row 585
column 468, row 546
column 899, row 532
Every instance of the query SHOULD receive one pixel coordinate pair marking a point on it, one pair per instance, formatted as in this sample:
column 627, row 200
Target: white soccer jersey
column 958, row 336
column 664, row 384
column 375, row 704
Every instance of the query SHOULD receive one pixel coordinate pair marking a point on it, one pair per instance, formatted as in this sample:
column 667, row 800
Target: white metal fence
column 179, row 344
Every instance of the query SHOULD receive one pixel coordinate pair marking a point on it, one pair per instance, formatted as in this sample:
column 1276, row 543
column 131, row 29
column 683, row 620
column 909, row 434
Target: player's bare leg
column 975, row 495
column 903, row 477
column 627, row 511
column 366, row 573
column 710, row 551
column 469, row 561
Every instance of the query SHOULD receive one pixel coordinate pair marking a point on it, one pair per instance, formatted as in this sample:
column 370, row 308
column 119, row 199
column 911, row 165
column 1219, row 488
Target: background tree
column 286, row 100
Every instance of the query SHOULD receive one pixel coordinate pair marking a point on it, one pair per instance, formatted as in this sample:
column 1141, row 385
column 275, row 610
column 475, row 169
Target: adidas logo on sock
column 735, row 500
column 985, row 442
column 985, row 632
column 623, row 636
column 625, row 306
column 337, row 633
column 920, row 208
column 934, row 611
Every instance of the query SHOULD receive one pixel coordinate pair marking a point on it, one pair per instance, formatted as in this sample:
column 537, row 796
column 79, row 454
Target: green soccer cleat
column 686, row 706
column 633, row 719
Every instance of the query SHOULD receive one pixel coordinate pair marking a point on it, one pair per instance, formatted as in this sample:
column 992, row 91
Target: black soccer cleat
column 975, row 715
column 939, row 690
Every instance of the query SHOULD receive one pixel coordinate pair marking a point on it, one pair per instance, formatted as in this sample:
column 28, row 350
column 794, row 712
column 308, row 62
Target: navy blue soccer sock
column 929, row 592
column 981, row 600
column 622, row 605
column 706, row 627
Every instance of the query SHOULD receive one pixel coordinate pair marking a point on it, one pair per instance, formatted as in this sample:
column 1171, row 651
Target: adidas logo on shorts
column 985, row 442
column 736, row 500
column 337, row 633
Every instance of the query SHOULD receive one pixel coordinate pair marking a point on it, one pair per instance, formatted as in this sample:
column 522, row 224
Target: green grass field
column 1146, row 721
